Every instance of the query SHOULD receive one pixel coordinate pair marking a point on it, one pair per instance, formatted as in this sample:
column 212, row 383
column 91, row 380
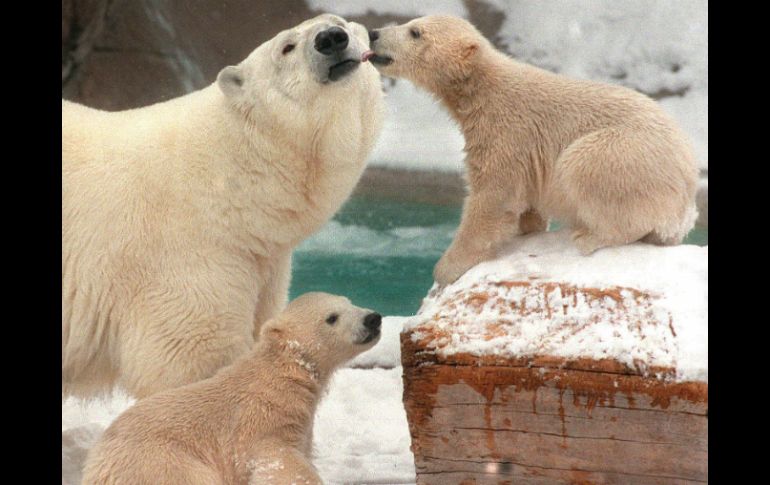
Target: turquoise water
column 380, row 253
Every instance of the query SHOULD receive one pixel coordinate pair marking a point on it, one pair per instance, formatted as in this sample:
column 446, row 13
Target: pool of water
column 380, row 253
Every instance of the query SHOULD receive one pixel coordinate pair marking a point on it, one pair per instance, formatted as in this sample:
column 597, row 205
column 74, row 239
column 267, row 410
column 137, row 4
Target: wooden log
column 545, row 419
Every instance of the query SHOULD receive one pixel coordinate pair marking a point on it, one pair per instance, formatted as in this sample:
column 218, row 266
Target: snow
column 360, row 436
column 649, row 45
column 387, row 353
column 418, row 132
column 692, row 112
column 474, row 314
column 262, row 469
column 82, row 423
column 361, row 433
column 408, row 8
column 657, row 47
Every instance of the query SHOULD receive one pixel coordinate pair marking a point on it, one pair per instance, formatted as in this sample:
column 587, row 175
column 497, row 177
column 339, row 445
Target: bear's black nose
column 373, row 321
column 374, row 35
column 331, row 40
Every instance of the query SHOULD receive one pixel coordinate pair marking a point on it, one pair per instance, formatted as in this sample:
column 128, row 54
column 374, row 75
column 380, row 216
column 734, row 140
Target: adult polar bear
column 179, row 219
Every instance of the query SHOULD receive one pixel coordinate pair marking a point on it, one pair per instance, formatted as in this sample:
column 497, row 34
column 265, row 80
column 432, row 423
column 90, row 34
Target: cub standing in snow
column 604, row 159
column 251, row 422
column 179, row 219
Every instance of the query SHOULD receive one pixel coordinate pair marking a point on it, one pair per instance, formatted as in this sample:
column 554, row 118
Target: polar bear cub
column 179, row 219
column 252, row 421
column 604, row 159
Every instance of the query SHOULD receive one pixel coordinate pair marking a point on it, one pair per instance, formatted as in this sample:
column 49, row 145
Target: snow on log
column 545, row 366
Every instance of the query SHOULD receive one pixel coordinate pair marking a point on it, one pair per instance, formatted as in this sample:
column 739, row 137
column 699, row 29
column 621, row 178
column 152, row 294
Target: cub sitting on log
column 604, row 159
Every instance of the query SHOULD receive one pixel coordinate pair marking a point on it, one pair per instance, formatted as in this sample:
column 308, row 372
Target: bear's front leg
column 170, row 339
column 490, row 219
column 189, row 352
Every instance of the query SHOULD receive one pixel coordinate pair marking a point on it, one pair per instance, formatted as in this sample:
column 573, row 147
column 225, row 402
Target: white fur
column 178, row 219
column 604, row 159
column 250, row 423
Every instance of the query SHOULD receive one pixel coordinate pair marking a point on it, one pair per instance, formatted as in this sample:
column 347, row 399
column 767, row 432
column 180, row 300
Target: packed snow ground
column 675, row 334
column 657, row 47
column 361, row 434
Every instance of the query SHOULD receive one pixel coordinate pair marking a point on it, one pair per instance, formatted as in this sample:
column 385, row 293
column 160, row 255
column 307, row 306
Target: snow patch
column 692, row 112
column 418, row 132
column 361, row 434
column 82, row 423
column 648, row 45
column 520, row 320
column 405, row 8
column 387, row 352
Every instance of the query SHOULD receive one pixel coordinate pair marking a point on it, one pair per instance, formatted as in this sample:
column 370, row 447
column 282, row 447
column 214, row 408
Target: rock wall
column 119, row 54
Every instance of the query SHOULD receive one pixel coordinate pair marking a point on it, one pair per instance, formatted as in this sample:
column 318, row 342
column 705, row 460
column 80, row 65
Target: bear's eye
column 331, row 319
column 287, row 48
column 415, row 33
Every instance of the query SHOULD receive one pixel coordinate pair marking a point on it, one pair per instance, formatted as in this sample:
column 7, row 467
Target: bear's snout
column 373, row 321
column 374, row 35
column 331, row 40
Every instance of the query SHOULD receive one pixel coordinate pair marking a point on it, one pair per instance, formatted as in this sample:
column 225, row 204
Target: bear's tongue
column 367, row 55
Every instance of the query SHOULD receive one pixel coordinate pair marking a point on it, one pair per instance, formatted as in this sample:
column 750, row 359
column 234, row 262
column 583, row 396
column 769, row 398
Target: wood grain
column 547, row 420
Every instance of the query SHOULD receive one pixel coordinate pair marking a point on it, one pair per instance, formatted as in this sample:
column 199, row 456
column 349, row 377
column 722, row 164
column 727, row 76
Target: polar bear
column 249, row 423
column 179, row 219
column 604, row 159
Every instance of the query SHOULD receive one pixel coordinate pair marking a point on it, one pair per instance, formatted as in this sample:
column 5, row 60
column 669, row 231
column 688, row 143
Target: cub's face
column 427, row 50
column 321, row 53
column 328, row 327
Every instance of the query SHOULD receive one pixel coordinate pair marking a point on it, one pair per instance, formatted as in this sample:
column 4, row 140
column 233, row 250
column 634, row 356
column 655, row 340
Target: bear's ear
column 271, row 329
column 469, row 49
column 230, row 80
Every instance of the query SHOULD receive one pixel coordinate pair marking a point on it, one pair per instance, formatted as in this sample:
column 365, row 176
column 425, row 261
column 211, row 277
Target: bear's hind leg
column 278, row 464
column 121, row 461
column 589, row 242
column 619, row 185
column 673, row 233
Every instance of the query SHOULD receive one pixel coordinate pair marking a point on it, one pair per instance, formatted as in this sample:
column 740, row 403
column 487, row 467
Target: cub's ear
column 230, row 80
column 270, row 330
column 469, row 49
